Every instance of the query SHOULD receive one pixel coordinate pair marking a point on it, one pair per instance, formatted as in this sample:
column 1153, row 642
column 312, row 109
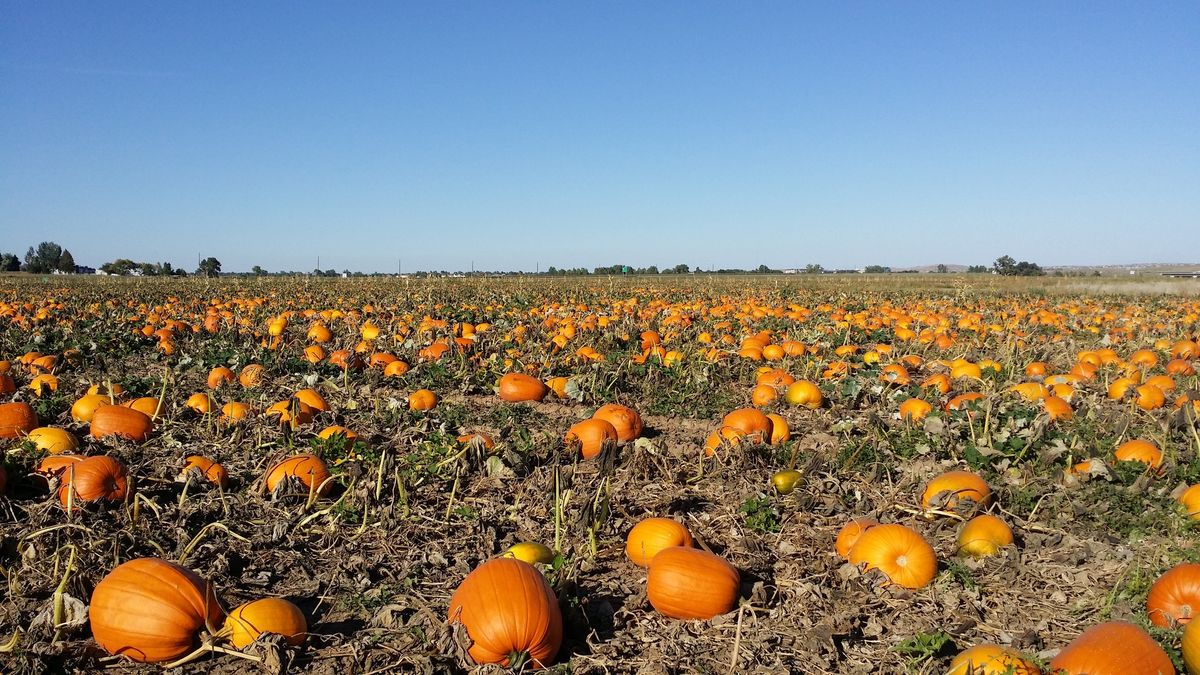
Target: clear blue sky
column 581, row 134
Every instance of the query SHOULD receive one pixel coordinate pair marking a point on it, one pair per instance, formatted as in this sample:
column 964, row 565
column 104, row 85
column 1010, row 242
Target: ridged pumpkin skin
column 687, row 583
column 754, row 425
column 515, row 387
column 85, row 406
column 92, row 479
column 900, row 552
column 508, row 609
column 150, row 610
column 850, row 533
column 267, row 615
column 212, row 471
column 991, row 660
column 308, row 469
column 624, row 419
column 1191, row 647
column 652, row 536
column 127, row 423
column 590, row 435
column 1174, row 599
column 1113, row 648
column 984, row 535
column 17, row 419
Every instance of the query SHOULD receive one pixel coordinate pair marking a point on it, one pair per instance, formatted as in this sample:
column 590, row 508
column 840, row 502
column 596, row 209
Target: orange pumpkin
column 780, row 431
column 623, row 418
column 763, row 395
column 147, row 405
column 946, row 490
column 422, row 399
column 1190, row 499
column 53, row 440
column 16, row 419
column 652, row 535
column 1139, row 450
column 395, row 369
column 590, row 436
column 901, row 553
column 268, row 615
column 804, row 393
column 1175, row 596
column 212, row 471
column 914, row 410
column 991, row 660
column 754, row 425
column 984, row 535
column 516, row 387
column 199, row 402
column 92, row 479
column 510, row 613
column 308, row 469
column 313, row 399
column 1057, row 408
column 1113, row 648
column 84, row 408
column 1191, row 646
column 150, row 610
column 127, row 423
column 251, row 375
column 850, row 533
column 1149, row 397
column 688, row 583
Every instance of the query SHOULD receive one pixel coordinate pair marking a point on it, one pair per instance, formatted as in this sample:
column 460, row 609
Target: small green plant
column 760, row 515
column 924, row 646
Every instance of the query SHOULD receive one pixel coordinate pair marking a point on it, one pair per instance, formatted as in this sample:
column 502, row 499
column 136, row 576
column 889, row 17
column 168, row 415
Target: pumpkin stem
column 517, row 661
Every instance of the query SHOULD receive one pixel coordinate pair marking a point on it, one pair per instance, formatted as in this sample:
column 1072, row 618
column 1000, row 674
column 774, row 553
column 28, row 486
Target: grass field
column 413, row 505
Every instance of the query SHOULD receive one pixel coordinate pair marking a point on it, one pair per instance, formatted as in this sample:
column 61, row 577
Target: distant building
column 84, row 269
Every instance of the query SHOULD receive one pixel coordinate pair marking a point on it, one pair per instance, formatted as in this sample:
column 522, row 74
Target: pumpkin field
column 688, row 474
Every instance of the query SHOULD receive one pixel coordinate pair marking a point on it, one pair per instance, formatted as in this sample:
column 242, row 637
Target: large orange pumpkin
column 949, row 488
column 83, row 408
column 510, row 613
column 212, row 471
column 93, row 479
column 899, row 552
column 150, row 610
column 850, row 533
column 308, row 469
column 267, row 615
column 991, row 660
column 623, row 418
column 688, row 583
column 1113, row 648
column 653, row 535
column 127, row 423
column 1175, row 597
column 220, row 376
column 754, row 425
column 1139, row 450
column 590, row 435
column 53, row 440
column 17, row 419
column 515, row 387
column 984, row 535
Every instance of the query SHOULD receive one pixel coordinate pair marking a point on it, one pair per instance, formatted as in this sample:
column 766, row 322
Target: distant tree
column 876, row 269
column 66, row 263
column 681, row 269
column 813, row 268
column 977, row 269
column 1005, row 265
column 653, row 269
column 942, row 269
column 44, row 258
column 552, row 270
column 1028, row 269
column 209, row 267
column 119, row 267
column 9, row 262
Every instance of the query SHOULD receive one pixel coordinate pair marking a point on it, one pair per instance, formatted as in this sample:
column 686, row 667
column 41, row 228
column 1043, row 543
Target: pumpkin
column 482, row 440
column 1191, row 647
column 960, row 402
column 267, row 615
column 1139, row 450
column 147, row 405
column 200, row 402
column 515, row 387
column 84, row 408
column 948, row 489
column 292, row 412
column 1149, row 397
column 348, row 436
column 127, row 423
column 984, row 535
column 319, row 333
column 422, row 399
column 510, row 613
column 53, row 440
column 785, row 480
column 652, row 535
column 721, row 439
column 914, row 410
column 7, row 386
column 212, row 471
column 1175, row 596
column 235, row 411
column 109, row 390
column 1190, row 499
column 763, row 395
column 150, row 610
column 530, row 552
column 308, row 469
column 43, row 384
column 804, row 393
column 92, row 479
column 754, row 425
column 901, row 553
column 590, row 436
column 16, row 419
column 1113, row 648
column 850, row 533
column 1057, row 407
column 251, row 375
column 395, row 369
column 313, row 399
column 688, row 583
column 991, row 660
column 623, row 418
column 780, row 431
